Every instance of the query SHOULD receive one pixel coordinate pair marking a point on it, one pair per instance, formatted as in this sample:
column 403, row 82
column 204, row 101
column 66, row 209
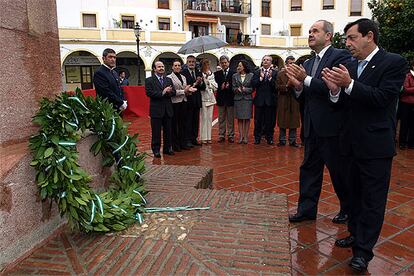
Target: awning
column 195, row 18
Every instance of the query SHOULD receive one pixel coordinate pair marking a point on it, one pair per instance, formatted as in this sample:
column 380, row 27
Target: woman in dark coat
column 288, row 115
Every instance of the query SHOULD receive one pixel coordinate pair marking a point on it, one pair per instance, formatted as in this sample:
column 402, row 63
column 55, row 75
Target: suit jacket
column 266, row 94
column 195, row 98
column 107, row 86
column 225, row 97
column 179, row 88
column 246, row 94
column 160, row 105
column 319, row 111
column 370, row 126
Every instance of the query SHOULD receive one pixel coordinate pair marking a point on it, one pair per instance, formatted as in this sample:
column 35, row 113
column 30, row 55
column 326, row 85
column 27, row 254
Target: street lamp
column 137, row 30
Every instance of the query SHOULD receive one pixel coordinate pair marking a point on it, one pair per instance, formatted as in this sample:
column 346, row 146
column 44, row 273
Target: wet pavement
column 240, row 167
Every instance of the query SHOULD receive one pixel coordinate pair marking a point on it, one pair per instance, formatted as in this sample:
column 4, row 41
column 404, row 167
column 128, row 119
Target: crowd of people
column 349, row 119
column 194, row 93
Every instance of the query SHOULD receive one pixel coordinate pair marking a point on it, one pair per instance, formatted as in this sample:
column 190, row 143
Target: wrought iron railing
column 246, row 40
column 228, row 6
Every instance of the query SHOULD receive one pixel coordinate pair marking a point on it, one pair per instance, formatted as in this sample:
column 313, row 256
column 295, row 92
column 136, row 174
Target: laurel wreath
column 59, row 176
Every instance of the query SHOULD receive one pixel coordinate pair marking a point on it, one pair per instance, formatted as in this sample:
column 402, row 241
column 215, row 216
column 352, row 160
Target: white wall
column 282, row 17
column 69, row 12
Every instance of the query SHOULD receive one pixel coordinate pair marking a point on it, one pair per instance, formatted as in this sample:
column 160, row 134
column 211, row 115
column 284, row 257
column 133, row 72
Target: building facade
column 252, row 28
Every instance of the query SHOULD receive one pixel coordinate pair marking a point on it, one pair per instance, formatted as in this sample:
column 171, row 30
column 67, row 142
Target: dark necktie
column 225, row 74
column 193, row 74
column 114, row 75
column 162, row 81
column 315, row 65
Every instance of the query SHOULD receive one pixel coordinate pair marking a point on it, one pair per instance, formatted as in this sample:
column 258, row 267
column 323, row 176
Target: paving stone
column 240, row 233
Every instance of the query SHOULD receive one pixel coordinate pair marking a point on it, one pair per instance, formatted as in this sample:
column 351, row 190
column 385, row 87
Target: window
column 356, row 8
column 266, row 8
column 328, row 5
column 295, row 30
column 296, row 5
column 89, row 20
column 164, row 23
column 265, row 29
column 163, row 4
column 128, row 22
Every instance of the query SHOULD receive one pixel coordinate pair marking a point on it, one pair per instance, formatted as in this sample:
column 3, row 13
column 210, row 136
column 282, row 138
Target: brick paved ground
column 272, row 169
column 239, row 234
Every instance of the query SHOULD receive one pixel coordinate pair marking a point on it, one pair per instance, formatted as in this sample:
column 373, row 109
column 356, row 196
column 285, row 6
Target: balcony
column 230, row 8
column 245, row 40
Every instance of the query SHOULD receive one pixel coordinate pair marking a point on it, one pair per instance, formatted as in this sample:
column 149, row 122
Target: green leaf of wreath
column 60, row 177
column 48, row 152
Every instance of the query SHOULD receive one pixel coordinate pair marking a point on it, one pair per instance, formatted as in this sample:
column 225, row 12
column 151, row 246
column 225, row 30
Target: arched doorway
column 128, row 62
column 214, row 62
column 168, row 58
column 277, row 61
column 302, row 59
column 234, row 61
column 78, row 68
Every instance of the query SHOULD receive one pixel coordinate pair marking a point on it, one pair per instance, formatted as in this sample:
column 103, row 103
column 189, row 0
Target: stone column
column 30, row 67
column 30, row 70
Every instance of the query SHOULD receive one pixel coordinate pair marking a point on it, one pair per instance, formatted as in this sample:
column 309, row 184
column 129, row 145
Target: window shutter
column 89, row 20
column 356, row 6
column 296, row 4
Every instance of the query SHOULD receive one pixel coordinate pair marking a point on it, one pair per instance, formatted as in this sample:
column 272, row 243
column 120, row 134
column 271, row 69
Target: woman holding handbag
column 208, row 101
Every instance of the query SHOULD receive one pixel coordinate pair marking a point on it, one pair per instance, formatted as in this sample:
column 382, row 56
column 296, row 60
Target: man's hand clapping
column 338, row 75
column 167, row 90
column 298, row 72
column 198, row 81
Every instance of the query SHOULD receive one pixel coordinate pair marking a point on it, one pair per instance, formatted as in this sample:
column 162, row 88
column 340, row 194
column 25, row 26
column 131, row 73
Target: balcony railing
column 246, row 40
column 227, row 6
column 241, row 7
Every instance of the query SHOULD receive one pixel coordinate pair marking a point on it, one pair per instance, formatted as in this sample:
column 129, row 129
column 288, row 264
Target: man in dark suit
column 195, row 79
column 370, row 88
column 225, row 100
column 265, row 101
column 160, row 89
column 322, row 123
column 106, row 81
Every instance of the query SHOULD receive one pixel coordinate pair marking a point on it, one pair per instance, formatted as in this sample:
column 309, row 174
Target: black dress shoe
column 177, row 148
column 294, row 144
column 299, row 217
column 195, row 143
column 281, row 144
column 345, row 242
column 231, row 140
column 168, row 152
column 190, row 145
column 359, row 264
column 340, row 218
column 270, row 141
column 256, row 141
column 157, row 154
column 221, row 140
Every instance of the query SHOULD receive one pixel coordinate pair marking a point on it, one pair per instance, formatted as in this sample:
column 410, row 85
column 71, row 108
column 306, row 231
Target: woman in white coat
column 208, row 101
